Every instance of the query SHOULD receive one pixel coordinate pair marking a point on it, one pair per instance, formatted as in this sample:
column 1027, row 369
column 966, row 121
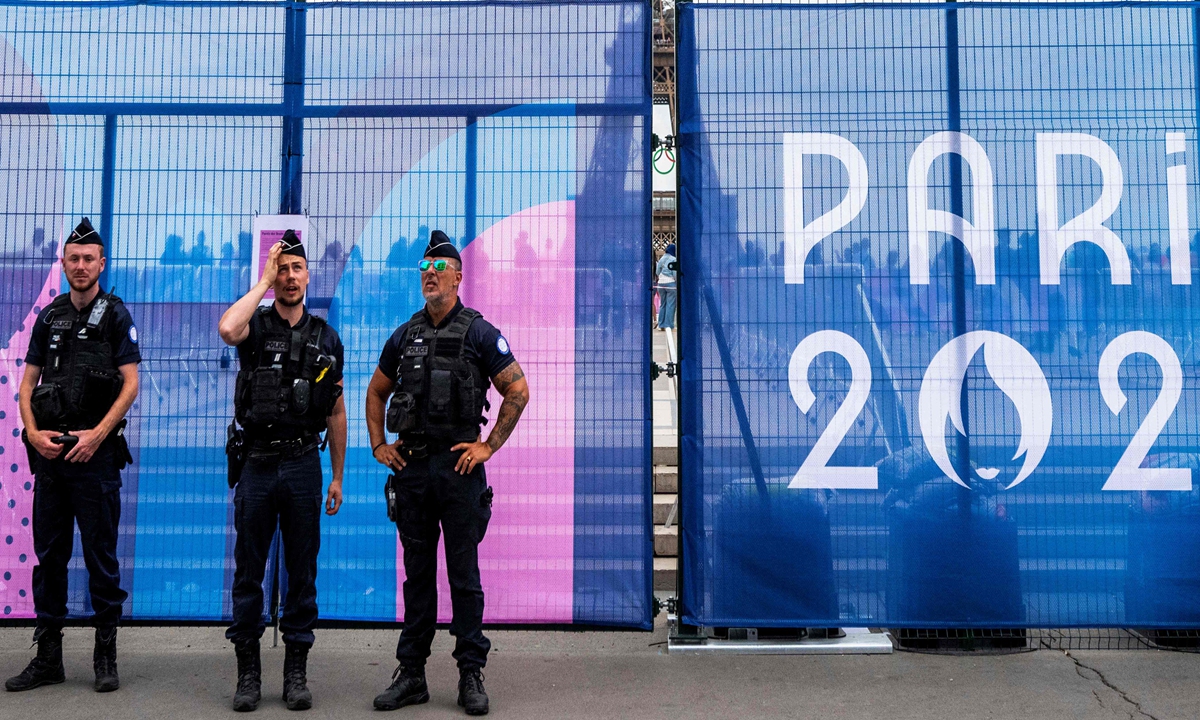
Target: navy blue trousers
column 284, row 490
column 88, row 494
column 430, row 498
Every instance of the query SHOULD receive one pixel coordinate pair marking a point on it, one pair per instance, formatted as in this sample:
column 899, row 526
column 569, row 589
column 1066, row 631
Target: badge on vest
column 98, row 311
column 61, row 325
column 416, row 351
column 276, row 346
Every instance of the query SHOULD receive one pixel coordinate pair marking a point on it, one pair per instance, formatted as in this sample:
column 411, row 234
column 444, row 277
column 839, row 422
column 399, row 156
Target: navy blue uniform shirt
column 483, row 347
column 121, row 336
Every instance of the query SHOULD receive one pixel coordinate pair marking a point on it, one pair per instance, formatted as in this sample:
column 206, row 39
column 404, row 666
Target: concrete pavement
column 190, row 672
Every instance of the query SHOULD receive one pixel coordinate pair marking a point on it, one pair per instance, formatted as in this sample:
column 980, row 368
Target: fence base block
column 857, row 641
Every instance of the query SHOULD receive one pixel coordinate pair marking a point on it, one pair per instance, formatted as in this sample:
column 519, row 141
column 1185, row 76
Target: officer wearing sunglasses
column 436, row 369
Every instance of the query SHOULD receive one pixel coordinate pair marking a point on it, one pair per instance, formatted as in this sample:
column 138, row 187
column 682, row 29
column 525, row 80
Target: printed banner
column 542, row 186
column 941, row 290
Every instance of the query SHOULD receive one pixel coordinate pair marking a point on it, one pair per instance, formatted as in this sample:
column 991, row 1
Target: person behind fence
column 288, row 391
column 665, row 273
column 436, row 368
column 80, row 379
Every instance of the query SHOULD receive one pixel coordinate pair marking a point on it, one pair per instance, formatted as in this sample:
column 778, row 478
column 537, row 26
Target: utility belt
column 419, row 448
column 239, row 448
column 295, row 446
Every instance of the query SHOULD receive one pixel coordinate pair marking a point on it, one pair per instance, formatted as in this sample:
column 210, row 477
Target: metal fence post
column 108, row 173
column 295, row 28
column 954, row 122
column 472, row 177
column 1196, row 62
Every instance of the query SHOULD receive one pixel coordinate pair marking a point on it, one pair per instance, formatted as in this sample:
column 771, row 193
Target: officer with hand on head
column 288, row 391
column 436, row 369
column 80, row 379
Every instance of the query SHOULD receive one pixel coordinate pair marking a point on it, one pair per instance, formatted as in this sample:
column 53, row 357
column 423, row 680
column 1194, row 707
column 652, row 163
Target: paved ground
column 190, row 672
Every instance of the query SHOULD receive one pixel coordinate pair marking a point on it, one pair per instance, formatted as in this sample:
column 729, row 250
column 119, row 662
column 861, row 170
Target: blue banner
column 939, row 361
column 519, row 129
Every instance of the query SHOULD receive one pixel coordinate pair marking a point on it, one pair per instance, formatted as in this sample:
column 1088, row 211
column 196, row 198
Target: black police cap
column 440, row 246
column 291, row 244
column 84, row 234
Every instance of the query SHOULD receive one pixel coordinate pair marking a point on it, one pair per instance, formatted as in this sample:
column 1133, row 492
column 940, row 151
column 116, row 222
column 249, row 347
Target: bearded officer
column 436, row 368
column 80, row 379
column 289, row 390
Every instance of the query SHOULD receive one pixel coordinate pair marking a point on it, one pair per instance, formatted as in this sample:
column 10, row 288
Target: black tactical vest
column 438, row 394
column 80, row 381
column 287, row 383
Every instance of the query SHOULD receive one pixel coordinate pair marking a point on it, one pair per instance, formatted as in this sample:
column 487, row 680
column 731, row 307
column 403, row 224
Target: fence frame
column 694, row 276
column 292, row 112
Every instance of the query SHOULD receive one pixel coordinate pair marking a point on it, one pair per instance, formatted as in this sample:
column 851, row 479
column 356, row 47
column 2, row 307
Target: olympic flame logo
column 1018, row 376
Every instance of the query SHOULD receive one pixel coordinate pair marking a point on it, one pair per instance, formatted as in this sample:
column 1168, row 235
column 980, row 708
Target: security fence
column 939, row 295
column 519, row 128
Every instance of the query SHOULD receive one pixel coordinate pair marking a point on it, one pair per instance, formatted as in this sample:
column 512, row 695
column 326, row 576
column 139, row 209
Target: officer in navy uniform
column 436, row 369
column 289, row 391
column 80, row 379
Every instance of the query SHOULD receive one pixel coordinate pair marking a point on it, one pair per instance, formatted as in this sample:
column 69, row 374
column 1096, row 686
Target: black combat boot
column 104, row 660
column 46, row 668
column 471, row 696
column 408, row 688
column 249, row 686
column 295, row 678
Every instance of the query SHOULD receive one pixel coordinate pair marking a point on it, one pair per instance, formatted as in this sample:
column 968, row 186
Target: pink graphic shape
column 520, row 273
column 35, row 201
column 16, row 592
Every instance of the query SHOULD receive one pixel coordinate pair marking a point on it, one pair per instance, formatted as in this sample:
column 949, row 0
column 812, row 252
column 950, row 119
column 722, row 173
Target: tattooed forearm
column 506, row 420
column 510, row 382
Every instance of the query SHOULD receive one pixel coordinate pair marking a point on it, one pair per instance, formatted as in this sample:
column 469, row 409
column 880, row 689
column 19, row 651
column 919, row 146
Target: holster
column 124, row 457
column 31, row 453
column 389, row 492
column 121, row 452
column 235, row 453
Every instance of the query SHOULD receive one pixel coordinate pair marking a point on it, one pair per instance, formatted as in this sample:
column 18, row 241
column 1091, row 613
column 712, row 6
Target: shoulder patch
column 133, row 334
column 502, row 345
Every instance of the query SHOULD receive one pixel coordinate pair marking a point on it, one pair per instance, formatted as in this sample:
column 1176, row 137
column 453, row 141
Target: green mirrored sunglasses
column 438, row 265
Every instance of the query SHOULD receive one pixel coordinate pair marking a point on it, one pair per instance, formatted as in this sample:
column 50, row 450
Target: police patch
column 502, row 345
column 276, row 346
column 61, row 325
column 133, row 334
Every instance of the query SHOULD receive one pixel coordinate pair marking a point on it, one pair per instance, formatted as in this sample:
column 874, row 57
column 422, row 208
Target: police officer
column 289, row 390
column 80, row 379
column 436, row 369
